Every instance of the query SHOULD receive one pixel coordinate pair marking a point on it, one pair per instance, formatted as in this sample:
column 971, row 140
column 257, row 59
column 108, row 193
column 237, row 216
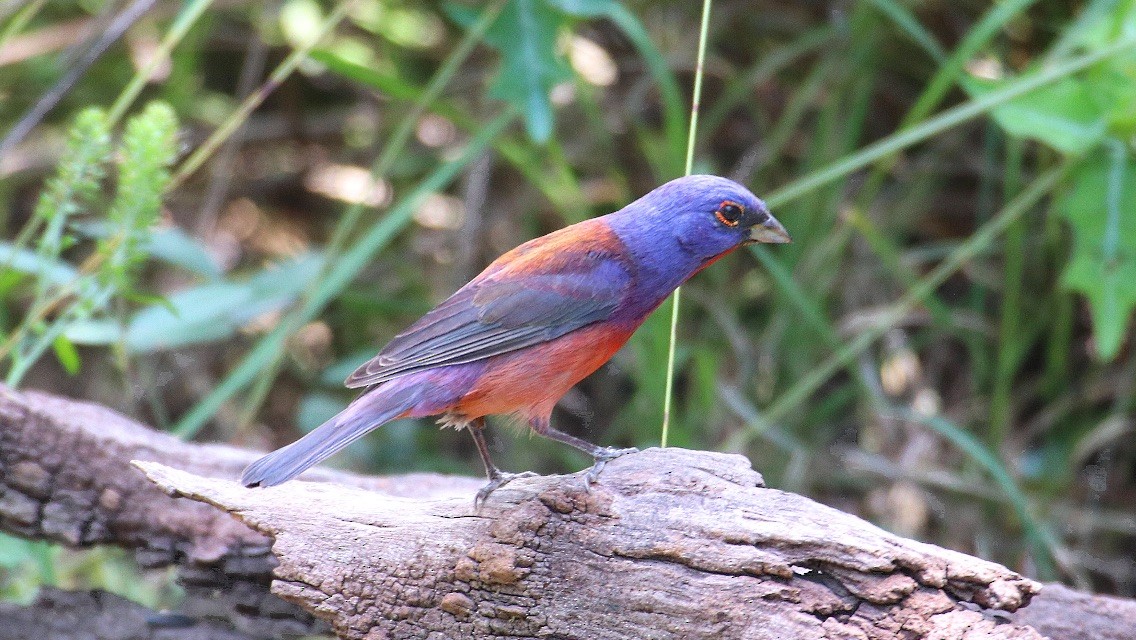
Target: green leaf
column 168, row 244
column 1113, row 86
column 48, row 269
column 217, row 310
column 1112, row 83
column 1101, row 208
column 525, row 35
column 174, row 246
column 1113, row 20
column 91, row 332
column 67, row 355
column 1063, row 114
column 386, row 83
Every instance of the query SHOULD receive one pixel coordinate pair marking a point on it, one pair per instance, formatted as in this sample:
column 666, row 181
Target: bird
column 535, row 322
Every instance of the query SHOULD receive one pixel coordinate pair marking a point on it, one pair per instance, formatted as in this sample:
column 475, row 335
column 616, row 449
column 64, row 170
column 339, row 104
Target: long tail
column 367, row 412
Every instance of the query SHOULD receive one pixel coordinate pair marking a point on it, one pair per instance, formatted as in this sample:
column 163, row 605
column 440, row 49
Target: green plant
column 1090, row 117
column 110, row 271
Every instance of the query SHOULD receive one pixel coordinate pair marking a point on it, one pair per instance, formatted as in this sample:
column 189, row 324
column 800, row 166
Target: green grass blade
column 690, row 140
column 978, row 242
column 944, row 121
column 742, row 88
column 181, row 25
column 255, row 98
column 346, row 225
column 907, row 22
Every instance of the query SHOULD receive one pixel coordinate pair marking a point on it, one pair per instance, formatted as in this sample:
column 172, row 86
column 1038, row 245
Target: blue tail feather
column 366, row 413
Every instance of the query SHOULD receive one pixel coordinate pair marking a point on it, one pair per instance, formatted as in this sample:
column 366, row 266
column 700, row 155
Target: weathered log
column 669, row 544
column 1061, row 613
column 65, row 476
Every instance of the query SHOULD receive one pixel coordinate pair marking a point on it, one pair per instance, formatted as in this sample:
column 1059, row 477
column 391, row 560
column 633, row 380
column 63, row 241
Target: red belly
column 531, row 381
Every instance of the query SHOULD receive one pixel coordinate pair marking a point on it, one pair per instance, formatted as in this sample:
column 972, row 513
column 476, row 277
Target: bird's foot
column 603, row 456
column 496, row 482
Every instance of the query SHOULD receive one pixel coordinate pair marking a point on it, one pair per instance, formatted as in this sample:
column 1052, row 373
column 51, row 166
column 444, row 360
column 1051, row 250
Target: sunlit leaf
column 1101, row 208
column 1063, row 114
column 101, row 331
column 1113, row 86
column 525, row 35
column 217, row 310
column 67, row 354
column 51, row 270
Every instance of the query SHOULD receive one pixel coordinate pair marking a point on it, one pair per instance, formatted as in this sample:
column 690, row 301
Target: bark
column 65, row 476
column 669, row 544
column 1061, row 613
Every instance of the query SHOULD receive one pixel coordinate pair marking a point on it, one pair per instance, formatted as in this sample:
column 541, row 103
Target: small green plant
column 64, row 295
column 1090, row 118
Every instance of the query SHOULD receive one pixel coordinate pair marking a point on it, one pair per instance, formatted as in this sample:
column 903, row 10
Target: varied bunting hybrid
column 538, row 320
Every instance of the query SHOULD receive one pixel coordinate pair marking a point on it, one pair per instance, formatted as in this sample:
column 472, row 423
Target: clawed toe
column 495, row 483
column 602, row 457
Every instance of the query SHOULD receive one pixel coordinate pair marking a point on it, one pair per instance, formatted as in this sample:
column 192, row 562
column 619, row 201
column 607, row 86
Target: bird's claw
column 496, row 482
column 602, row 457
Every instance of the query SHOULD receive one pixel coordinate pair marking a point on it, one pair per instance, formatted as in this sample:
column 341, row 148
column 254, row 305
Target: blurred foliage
column 109, row 271
column 1093, row 117
column 946, row 348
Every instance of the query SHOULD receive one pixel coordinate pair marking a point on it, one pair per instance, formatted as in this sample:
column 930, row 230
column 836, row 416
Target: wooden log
column 65, row 476
column 669, row 544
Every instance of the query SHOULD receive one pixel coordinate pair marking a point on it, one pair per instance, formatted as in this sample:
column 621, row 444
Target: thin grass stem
column 703, row 31
column 20, row 20
column 944, row 121
column 254, row 99
column 180, row 27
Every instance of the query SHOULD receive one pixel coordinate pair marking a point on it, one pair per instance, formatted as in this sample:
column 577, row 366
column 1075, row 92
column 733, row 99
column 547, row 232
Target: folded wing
column 512, row 307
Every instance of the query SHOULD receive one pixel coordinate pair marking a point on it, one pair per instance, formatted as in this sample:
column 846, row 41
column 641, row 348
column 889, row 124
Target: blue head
column 687, row 223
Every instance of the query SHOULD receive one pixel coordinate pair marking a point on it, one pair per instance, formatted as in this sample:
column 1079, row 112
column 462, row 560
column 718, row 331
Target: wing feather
column 509, row 307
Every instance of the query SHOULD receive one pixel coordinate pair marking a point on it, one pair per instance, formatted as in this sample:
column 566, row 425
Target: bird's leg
column 601, row 455
column 497, row 477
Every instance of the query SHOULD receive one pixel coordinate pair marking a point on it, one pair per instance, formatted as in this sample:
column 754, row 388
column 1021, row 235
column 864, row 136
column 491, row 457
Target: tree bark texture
column 669, row 544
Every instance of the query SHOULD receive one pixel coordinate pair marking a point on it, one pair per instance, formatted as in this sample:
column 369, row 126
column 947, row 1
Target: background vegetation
column 214, row 209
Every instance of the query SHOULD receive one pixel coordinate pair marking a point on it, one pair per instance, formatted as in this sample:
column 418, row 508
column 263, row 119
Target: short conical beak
column 769, row 232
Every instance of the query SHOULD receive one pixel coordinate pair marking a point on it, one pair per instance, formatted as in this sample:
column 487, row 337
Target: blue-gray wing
column 505, row 311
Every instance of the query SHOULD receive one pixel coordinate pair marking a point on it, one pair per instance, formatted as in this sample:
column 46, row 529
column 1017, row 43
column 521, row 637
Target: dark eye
column 730, row 213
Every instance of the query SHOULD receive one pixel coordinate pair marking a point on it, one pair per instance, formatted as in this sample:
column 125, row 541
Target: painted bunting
column 536, row 321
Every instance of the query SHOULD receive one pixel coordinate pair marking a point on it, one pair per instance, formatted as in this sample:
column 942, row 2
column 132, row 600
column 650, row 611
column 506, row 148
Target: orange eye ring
column 730, row 213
